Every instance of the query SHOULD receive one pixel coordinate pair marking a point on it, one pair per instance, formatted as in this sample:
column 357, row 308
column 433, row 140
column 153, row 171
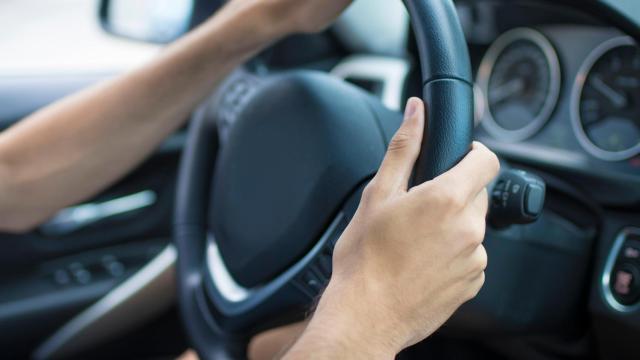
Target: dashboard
column 556, row 88
column 563, row 94
column 557, row 92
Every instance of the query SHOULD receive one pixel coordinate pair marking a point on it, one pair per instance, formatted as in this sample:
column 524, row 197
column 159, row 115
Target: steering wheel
column 256, row 219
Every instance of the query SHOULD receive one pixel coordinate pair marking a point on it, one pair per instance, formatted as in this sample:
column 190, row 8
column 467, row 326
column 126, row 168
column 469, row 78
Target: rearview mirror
column 158, row 21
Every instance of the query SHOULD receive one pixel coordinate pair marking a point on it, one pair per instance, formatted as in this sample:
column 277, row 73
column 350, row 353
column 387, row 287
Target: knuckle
column 401, row 141
column 482, row 259
column 473, row 234
column 473, row 287
column 491, row 159
column 477, row 286
column 479, row 231
column 370, row 191
column 446, row 196
column 494, row 162
column 478, row 146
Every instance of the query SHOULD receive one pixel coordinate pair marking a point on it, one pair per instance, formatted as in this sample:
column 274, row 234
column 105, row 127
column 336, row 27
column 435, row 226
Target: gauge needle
column 616, row 98
column 507, row 89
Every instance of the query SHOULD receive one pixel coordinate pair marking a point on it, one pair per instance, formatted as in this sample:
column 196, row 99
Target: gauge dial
column 520, row 77
column 607, row 101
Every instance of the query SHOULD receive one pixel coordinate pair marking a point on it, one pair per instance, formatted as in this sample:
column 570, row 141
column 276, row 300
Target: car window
column 62, row 37
column 630, row 8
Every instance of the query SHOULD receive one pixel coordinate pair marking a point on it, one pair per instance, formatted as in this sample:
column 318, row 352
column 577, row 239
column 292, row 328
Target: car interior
column 206, row 244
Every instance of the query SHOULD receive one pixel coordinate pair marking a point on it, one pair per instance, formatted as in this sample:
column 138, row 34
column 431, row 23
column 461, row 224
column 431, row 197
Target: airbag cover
column 299, row 148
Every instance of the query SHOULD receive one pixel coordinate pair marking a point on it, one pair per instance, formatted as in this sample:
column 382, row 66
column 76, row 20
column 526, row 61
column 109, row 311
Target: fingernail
column 410, row 110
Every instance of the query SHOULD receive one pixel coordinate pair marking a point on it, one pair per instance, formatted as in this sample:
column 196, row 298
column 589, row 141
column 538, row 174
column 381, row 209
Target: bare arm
column 78, row 146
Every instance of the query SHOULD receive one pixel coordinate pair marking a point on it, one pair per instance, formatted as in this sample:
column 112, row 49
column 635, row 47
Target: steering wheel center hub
column 299, row 148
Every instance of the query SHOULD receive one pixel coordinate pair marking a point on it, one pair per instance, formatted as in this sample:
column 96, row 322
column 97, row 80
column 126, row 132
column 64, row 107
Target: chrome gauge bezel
column 576, row 93
column 486, row 70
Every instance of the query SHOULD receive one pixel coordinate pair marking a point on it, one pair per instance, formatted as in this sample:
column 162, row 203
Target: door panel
column 52, row 274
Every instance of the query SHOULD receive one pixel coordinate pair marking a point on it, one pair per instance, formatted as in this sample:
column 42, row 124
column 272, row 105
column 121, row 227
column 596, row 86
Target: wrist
column 270, row 22
column 347, row 325
column 240, row 29
column 275, row 17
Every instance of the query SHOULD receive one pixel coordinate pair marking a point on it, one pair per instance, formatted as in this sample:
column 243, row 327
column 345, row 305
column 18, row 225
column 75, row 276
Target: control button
column 114, row 267
column 625, row 284
column 81, row 275
column 631, row 252
column 624, row 280
column 496, row 195
column 502, row 193
column 324, row 264
column 534, row 199
column 312, row 282
column 61, row 277
column 516, row 198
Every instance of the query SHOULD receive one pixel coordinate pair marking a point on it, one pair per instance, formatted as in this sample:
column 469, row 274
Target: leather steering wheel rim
column 448, row 91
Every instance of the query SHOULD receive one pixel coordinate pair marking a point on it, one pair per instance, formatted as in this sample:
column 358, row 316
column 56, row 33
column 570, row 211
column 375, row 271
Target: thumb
column 403, row 151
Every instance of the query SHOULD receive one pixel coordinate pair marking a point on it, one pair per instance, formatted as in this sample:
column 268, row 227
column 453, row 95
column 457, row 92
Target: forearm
column 80, row 145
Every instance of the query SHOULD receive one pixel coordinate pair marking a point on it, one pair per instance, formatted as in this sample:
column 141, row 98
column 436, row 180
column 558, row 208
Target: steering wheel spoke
column 238, row 307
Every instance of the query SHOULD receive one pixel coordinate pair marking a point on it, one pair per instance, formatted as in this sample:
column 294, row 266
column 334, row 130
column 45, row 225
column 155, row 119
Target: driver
column 407, row 261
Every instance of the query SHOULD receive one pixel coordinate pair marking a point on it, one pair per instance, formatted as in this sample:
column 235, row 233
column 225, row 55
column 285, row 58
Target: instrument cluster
column 606, row 100
column 574, row 90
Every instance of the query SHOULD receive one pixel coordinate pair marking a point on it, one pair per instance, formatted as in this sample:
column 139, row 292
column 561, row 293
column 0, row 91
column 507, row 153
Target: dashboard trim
column 486, row 69
column 391, row 72
column 576, row 93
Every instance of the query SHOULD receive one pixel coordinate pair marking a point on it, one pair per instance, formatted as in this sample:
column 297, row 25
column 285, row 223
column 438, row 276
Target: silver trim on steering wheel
column 222, row 279
column 234, row 294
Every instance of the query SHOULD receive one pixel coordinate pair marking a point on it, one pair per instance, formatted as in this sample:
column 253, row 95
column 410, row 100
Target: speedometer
column 606, row 101
column 520, row 78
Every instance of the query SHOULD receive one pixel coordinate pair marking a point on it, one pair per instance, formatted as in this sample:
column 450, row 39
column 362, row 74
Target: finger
column 473, row 173
column 403, row 151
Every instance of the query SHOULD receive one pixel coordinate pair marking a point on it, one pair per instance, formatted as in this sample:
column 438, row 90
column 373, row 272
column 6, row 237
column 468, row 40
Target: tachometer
column 606, row 100
column 520, row 77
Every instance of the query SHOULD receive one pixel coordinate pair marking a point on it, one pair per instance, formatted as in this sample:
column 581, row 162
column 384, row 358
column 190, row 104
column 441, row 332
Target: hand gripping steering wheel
column 256, row 219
